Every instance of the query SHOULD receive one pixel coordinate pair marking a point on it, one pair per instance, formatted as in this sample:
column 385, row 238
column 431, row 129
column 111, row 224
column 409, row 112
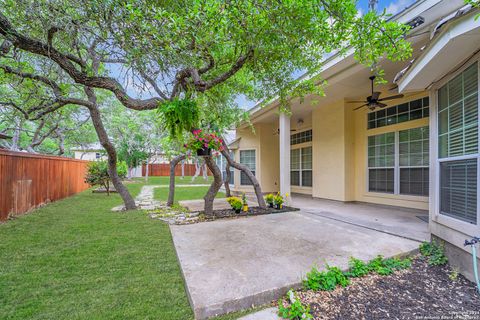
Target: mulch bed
column 420, row 292
column 252, row 211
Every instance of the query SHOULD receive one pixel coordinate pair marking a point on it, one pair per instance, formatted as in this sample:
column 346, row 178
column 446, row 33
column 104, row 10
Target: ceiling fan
column 373, row 101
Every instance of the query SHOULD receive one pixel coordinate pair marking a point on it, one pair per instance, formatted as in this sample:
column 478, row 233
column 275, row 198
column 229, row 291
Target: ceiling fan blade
column 381, row 105
column 357, row 101
column 366, row 104
column 398, row 96
column 375, row 95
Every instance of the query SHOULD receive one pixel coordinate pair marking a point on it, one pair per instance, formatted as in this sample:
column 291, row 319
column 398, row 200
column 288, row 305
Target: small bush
column 434, row 253
column 278, row 199
column 270, row 198
column 97, row 173
column 385, row 267
column 235, row 202
column 358, row 268
column 295, row 310
column 325, row 280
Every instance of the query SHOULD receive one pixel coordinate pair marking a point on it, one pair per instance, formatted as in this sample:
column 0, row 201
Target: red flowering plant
column 201, row 140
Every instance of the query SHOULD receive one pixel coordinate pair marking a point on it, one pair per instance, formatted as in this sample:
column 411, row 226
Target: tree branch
column 64, row 61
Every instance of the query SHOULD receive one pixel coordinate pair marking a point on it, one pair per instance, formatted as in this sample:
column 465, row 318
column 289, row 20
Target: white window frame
column 256, row 165
column 396, row 167
column 435, row 215
column 300, row 170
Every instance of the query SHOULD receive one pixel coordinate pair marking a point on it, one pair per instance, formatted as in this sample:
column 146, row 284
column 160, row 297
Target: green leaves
column 434, row 253
column 294, row 310
column 328, row 280
column 179, row 116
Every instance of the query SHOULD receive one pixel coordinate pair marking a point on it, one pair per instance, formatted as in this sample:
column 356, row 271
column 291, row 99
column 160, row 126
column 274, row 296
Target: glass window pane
column 301, row 137
column 413, row 161
column 381, row 180
column 295, row 159
column 458, row 189
column 295, row 178
column 458, row 115
column 307, row 178
column 307, row 158
column 247, row 157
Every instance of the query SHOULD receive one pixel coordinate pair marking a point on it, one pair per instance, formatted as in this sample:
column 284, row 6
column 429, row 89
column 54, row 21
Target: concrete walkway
column 231, row 265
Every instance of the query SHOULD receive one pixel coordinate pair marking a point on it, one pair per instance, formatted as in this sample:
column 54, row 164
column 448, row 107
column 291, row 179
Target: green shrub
column 434, row 253
column 295, row 310
column 358, row 268
column 325, row 280
column 235, row 202
column 269, row 198
column 339, row 276
column 385, row 267
column 97, row 173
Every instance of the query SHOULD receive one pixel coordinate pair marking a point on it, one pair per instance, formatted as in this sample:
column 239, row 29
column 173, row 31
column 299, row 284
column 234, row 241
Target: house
column 91, row 152
column 418, row 150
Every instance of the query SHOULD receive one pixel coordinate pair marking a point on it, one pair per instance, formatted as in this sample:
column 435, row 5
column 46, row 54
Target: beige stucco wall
column 339, row 149
column 329, row 152
column 264, row 140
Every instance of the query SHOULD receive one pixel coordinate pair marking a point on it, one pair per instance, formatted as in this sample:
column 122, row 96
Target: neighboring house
column 91, row 152
column 393, row 155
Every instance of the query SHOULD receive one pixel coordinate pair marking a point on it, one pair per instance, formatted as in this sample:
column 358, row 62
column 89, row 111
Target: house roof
column 453, row 40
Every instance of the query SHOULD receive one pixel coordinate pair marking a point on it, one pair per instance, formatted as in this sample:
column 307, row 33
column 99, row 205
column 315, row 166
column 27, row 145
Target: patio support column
column 284, row 137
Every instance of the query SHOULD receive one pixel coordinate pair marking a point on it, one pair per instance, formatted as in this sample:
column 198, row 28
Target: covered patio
column 230, row 265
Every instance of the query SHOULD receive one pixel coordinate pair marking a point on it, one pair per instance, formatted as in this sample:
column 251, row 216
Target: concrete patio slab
column 231, row 265
column 395, row 220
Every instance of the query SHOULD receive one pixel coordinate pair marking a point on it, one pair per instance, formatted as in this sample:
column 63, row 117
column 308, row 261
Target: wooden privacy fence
column 29, row 180
column 163, row 170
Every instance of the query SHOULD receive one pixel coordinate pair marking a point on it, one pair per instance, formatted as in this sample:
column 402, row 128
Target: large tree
column 184, row 49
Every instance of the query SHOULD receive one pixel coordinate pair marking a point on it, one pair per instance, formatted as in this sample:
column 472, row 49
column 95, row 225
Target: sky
column 392, row 6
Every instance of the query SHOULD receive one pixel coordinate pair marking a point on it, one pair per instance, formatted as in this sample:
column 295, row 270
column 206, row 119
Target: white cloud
column 397, row 6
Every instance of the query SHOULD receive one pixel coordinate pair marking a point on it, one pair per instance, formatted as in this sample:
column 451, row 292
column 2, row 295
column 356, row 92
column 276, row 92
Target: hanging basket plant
column 203, row 143
column 180, row 115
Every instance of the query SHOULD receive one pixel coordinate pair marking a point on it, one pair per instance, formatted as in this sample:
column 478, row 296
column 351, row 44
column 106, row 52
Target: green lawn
column 185, row 193
column 75, row 259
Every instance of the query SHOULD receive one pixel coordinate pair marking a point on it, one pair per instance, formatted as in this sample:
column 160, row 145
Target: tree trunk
column 146, row 169
column 227, row 180
column 214, row 187
column 111, row 152
column 250, row 175
column 183, row 169
column 171, row 189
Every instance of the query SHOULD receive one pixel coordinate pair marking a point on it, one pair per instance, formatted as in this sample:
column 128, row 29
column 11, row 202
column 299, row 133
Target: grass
column 184, row 193
column 75, row 259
